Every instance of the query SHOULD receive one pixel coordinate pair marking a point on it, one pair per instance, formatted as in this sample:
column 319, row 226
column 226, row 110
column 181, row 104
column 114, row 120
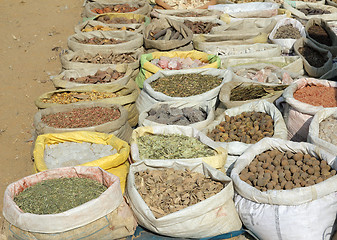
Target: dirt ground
column 33, row 32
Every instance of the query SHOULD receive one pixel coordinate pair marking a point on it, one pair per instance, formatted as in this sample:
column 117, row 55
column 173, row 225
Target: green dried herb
column 244, row 93
column 185, row 85
column 172, row 146
column 58, row 195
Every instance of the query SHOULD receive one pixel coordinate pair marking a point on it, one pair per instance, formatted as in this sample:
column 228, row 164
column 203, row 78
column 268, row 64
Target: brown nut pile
column 200, row 27
column 118, row 8
column 107, row 76
column 276, row 170
column 287, row 31
column 247, row 127
column 165, row 34
column 106, row 59
column 73, row 97
column 118, row 20
column 101, row 41
column 167, row 191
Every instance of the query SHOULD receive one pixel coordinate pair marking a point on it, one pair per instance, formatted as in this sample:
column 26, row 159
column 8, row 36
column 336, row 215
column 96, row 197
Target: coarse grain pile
column 82, row 117
column 67, row 97
column 118, row 20
column 277, row 170
column 247, row 127
column 319, row 34
column 314, row 57
column 167, row 191
column 317, row 95
column 101, row 41
column 287, row 31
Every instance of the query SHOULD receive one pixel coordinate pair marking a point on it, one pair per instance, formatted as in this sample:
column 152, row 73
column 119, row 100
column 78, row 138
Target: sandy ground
column 33, row 32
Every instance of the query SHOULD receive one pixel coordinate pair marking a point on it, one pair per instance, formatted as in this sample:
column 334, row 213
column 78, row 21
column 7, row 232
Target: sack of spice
column 91, row 59
column 191, row 85
column 319, row 32
column 182, row 59
column 304, row 98
column 201, row 14
column 286, row 32
column 322, row 130
column 317, row 61
column 104, row 217
column 253, row 121
column 307, row 10
column 109, row 41
column 284, row 207
column 116, row 164
column 184, row 4
column 117, row 6
column 241, row 91
column 85, row 77
column 194, row 114
column 257, row 50
column 158, row 35
column 292, row 64
column 168, row 143
column 206, row 216
column 113, row 94
column 95, row 117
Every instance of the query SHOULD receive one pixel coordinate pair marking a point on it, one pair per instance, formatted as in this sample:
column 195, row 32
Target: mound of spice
column 67, row 97
column 247, row 127
column 317, row 95
column 102, row 28
column 328, row 130
column 176, row 116
column 244, row 93
column 172, row 146
column 165, row 34
column 185, row 85
column 287, row 31
column 276, row 170
column 313, row 11
column 118, row 20
column 58, row 195
column 186, row 4
column 314, row 57
column 101, row 41
column 82, row 117
column 177, row 63
column 100, row 76
column 106, row 58
column 118, row 8
column 200, row 27
column 318, row 33
column 167, row 191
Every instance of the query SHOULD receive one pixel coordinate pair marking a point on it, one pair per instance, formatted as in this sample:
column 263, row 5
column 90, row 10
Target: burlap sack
column 143, row 7
column 68, row 64
column 127, row 98
column 119, row 127
column 105, row 217
column 163, row 45
column 134, row 41
column 62, row 80
column 311, row 70
column 325, row 26
column 202, row 14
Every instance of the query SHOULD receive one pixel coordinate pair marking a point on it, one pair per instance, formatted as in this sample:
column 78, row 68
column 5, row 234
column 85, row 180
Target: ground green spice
column 185, row 85
column 244, row 93
column 172, row 146
column 58, row 195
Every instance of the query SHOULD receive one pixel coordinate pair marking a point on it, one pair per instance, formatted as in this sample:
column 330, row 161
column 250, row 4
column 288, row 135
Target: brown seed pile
column 287, row 31
column 276, row 170
column 101, row 41
column 67, row 97
column 314, row 58
column 313, row 11
column 82, row 117
column 118, row 20
column 100, row 76
column 200, row 27
column 106, row 59
column 318, row 33
column 167, row 191
column 247, row 127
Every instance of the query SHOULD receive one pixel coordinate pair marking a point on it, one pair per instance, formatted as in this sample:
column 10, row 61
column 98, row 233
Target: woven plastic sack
column 106, row 217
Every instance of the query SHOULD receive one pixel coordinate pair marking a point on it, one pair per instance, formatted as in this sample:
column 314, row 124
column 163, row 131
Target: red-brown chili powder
column 317, row 96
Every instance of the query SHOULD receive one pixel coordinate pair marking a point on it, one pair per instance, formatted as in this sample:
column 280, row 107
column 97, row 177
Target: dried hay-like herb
column 58, row 195
column 172, row 146
column 244, row 93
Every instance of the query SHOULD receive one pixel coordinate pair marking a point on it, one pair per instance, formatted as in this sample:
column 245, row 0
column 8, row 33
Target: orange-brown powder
column 317, row 96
